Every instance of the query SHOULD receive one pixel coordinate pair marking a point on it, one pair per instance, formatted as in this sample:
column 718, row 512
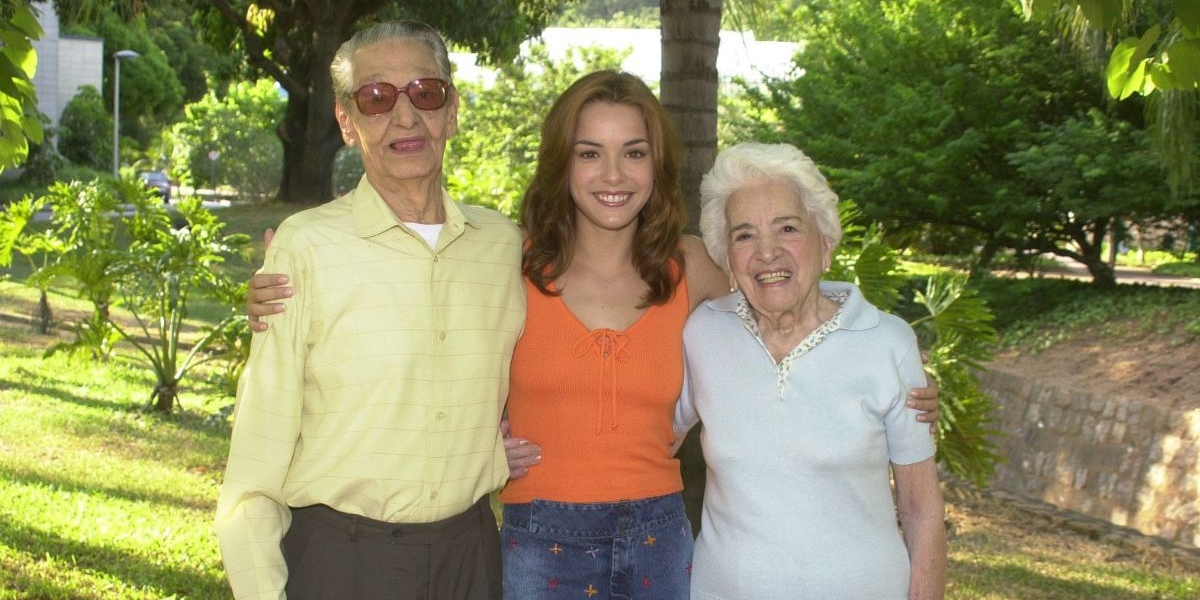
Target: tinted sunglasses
column 429, row 93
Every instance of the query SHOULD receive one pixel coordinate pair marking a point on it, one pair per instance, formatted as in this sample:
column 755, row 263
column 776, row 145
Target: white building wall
column 64, row 64
column 740, row 54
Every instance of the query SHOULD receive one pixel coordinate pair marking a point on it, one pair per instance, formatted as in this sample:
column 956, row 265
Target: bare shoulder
column 705, row 280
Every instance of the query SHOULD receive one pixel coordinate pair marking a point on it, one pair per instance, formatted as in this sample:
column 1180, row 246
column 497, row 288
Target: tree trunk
column 310, row 141
column 1103, row 274
column 691, row 35
column 309, row 131
column 163, row 398
column 43, row 318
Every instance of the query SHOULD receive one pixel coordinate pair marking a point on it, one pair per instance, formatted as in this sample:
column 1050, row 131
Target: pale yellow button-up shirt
column 379, row 390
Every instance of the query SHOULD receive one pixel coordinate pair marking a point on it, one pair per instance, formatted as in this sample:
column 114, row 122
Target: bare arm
column 705, row 280
column 922, row 517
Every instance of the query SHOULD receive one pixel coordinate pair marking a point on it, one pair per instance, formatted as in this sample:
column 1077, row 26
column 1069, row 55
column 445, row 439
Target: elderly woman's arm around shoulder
column 922, row 516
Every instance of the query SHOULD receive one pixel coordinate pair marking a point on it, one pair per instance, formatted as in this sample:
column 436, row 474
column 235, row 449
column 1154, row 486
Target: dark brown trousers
column 336, row 556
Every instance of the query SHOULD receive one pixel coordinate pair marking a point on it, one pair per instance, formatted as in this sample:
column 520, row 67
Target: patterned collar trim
column 783, row 367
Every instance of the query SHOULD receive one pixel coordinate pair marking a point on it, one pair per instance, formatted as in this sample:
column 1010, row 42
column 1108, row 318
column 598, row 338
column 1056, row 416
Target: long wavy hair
column 548, row 211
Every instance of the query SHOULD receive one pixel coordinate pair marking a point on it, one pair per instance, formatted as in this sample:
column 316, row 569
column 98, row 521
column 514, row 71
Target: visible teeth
column 612, row 198
column 773, row 277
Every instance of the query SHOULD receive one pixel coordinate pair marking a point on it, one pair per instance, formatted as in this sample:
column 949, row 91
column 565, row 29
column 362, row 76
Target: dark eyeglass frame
column 389, row 94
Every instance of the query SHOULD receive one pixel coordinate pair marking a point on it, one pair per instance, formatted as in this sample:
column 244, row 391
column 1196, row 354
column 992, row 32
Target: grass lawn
column 99, row 500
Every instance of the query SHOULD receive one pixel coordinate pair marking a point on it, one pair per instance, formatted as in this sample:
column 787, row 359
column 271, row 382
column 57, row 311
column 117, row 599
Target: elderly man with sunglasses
column 366, row 438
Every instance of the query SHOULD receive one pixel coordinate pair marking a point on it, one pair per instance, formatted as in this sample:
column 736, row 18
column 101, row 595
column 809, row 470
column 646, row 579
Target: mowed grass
column 99, row 500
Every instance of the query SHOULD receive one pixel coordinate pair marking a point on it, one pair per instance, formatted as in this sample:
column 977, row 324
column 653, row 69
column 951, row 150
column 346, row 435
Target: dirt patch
column 1159, row 369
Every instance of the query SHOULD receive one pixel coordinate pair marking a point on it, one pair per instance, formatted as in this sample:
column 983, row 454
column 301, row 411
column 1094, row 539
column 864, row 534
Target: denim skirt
column 636, row 549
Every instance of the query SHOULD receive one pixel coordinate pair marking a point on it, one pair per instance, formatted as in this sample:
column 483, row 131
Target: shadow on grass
column 138, row 572
column 58, row 392
column 974, row 580
column 68, row 485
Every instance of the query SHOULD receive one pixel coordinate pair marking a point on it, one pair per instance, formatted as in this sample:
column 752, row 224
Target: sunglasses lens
column 376, row 98
column 427, row 94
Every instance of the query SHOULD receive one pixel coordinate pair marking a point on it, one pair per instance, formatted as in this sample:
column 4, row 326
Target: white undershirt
column 429, row 231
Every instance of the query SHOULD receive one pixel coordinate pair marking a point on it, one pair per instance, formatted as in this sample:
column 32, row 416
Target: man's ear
column 344, row 125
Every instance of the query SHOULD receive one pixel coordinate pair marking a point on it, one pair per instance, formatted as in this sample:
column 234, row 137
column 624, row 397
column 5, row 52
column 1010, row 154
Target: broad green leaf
column 25, row 21
column 1161, row 77
column 1147, row 41
column 1135, row 82
column 1120, row 65
column 1183, row 59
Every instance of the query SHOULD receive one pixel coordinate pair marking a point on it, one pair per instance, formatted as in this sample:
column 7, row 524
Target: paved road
column 1069, row 269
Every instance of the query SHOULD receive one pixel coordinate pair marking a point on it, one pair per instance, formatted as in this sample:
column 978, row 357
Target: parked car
column 159, row 182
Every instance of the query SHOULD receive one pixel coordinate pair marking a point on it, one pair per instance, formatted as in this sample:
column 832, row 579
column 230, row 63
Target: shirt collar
column 372, row 216
column 857, row 313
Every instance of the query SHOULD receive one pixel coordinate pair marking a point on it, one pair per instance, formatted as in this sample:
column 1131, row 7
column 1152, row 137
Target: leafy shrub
column 85, row 130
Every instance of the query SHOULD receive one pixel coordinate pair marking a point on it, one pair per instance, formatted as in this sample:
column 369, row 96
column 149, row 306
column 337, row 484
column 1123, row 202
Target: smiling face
column 776, row 253
column 612, row 169
column 405, row 144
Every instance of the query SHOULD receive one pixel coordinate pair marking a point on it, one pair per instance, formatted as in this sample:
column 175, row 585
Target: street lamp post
column 117, row 107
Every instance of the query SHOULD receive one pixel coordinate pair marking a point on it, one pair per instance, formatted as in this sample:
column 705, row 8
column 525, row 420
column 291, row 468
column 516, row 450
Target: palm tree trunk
column 691, row 35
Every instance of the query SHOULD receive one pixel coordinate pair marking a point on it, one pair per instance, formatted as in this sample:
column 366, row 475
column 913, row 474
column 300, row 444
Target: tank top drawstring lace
column 609, row 347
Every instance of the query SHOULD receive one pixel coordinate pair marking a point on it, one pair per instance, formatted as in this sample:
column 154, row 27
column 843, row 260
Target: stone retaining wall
column 1112, row 458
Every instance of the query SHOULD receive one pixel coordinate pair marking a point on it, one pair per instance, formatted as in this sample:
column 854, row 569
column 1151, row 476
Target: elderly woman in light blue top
column 801, row 386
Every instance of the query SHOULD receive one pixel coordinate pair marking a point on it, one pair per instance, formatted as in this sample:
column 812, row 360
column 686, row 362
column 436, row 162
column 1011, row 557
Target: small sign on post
column 213, row 155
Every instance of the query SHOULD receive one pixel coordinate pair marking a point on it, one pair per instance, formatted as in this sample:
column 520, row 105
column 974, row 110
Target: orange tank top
column 600, row 403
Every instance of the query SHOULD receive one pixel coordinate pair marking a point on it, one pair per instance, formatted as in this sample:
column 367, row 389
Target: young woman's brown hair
column 548, row 211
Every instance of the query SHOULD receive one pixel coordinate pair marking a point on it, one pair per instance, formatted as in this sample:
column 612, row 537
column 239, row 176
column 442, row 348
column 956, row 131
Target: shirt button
column 433, row 495
column 441, row 416
column 442, row 336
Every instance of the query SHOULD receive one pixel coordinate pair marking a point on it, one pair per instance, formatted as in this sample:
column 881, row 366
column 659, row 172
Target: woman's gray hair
column 340, row 69
column 752, row 162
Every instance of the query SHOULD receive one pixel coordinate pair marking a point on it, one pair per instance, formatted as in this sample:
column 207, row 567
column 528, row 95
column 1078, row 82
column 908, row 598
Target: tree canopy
column 920, row 110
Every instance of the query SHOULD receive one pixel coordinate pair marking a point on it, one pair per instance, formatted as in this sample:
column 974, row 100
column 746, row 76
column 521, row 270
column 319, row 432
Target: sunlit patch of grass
column 97, row 498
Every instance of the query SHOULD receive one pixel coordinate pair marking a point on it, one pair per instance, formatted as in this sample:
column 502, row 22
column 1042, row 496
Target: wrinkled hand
column 263, row 292
column 521, row 454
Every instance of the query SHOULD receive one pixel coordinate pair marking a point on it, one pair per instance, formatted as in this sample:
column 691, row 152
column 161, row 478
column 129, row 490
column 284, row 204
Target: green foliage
column 1084, row 176
column 495, row 149
column 959, row 337
column 17, row 237
column 161, row 271
column 19, row 124
column 1159, row 58
column 85, row 251
column 115, row 244
column 1153, row 52
column 85, row 130
column 917, row 107
column 241, row 128
column 151, row 94
column 43, row 161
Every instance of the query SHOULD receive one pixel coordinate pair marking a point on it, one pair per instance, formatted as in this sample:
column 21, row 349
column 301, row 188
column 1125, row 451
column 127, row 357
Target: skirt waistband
column 629, row 517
